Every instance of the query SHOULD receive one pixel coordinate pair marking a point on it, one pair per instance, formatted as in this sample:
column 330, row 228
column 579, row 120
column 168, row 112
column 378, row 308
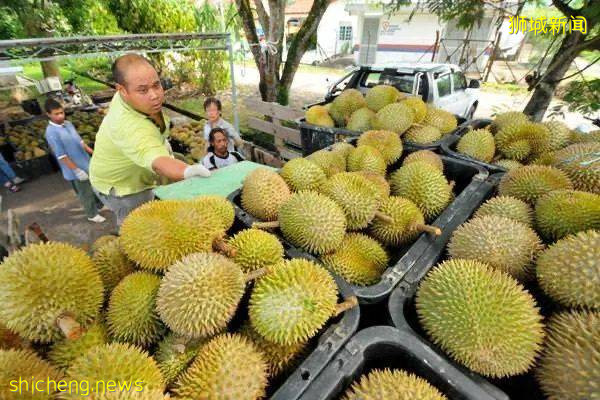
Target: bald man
column 131, row 149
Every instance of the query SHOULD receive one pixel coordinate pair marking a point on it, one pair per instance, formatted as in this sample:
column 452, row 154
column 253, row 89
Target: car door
column 462, row 100
column 443, row 97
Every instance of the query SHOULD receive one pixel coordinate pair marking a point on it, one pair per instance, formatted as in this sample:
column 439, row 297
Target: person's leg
column 6, row 169
column 86, row 197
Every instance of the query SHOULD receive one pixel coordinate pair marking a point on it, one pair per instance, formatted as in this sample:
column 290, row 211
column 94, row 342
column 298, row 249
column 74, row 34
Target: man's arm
column 177, row 170
column 87, row 148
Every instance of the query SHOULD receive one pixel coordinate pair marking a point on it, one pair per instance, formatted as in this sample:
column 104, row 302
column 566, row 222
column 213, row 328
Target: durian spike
column 418, row 125
column 266, row 225
column 384, row 217
column 433, row 230
column 69, row 327
column 221, row 246
column 250, row 276
column 347, row 304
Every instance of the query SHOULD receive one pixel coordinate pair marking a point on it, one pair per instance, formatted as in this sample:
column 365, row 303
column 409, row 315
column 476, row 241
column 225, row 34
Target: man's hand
column 80, row 174
column 196, row 170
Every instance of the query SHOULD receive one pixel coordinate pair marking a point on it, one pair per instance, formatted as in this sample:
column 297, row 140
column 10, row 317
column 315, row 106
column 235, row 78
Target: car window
column 443, row 85
column 459, row 81
column 372, row 79
column 341, row 85
column 402, row 82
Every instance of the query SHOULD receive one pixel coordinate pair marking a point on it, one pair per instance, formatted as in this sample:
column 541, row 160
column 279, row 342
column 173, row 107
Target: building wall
column 399, row 40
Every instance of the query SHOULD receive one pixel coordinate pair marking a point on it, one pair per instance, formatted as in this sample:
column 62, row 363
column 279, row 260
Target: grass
column 509, row 88
column 34, row 71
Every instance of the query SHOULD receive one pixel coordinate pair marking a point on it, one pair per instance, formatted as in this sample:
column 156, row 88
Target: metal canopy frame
column 23, row 51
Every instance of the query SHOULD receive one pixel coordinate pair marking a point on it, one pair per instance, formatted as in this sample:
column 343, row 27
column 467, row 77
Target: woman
column 212, row 108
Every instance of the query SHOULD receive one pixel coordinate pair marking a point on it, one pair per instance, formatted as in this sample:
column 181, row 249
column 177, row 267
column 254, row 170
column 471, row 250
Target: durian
column 366, row 158
column 421, row 134
column 175, row 354
column 509, row 207
column 263, row 191
column 563, row 212
column 199, row 294
column 581, row 162
column 132, row 315
column 519, row 141
column 25, row 365
column 313, row 222
column 360, row 120
column 418, row 106
column 508, row 165
column 441, row 119
column 218, row 205
column 302, row 174
column 568, row 368
column 229, row 367
column 159, row 233
column 560, row 134
column 345, row 104
column 318, row 115
column 427, row 156
column 424, row 185
column 360, row 260
column 379, row 180
column 397, row 385
column 500, row 242
column 112, row 264
column 381, row 95
column 506, row 118
column 395, row 117
column 481, row 317
column 43, row 282
column 101, row 241
column 388, row 143
column 256, row 249
column 407, row 222
column 331, row 162
column 478, row 144
column 530, row 182
column 577, row 285
column 64, row 352
column 132, row 369
column 292, row 301
column 357, row 197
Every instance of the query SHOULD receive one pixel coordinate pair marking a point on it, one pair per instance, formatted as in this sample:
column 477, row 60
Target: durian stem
column 266, row 225
column 180, row 344
column 384, row 217
column 252, row 275
column 347, row 304
column 69, row 327
column 223, row 247
column 433, row 230
column 451, row 184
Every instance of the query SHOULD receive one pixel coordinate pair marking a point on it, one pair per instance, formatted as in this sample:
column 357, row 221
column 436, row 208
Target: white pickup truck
column 441, row 85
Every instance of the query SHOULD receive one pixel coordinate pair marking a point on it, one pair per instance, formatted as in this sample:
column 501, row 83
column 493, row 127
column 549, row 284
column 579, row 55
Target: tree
column 469, row 12
column 276, row 76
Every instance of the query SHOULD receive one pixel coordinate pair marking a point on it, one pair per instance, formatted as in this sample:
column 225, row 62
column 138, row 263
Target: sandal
column 14, row 188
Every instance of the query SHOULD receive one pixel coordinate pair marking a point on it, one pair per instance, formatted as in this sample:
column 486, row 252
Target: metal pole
column 236, row 120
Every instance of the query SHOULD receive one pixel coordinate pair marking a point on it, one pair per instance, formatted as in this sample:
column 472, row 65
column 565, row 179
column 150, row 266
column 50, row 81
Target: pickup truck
column 441, row 85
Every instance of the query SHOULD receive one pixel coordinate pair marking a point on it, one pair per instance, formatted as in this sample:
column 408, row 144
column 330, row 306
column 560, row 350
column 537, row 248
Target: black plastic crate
column 35, row 167
column 322, row 348
column 401, row 307
column 449, row 146
column 467, row 176
column 381, row 347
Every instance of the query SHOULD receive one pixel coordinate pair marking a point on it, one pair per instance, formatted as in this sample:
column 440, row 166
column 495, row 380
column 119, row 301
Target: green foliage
column 583, row 96
column 10, row 25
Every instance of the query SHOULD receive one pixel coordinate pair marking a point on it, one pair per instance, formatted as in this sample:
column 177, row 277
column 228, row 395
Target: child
column 73, row 157
column 212, row 107
column 8, row 178
column 218, row 154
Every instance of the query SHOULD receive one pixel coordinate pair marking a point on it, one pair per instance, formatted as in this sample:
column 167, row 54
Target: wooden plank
column 288, row 154
column 273, row 109
column 281, row 132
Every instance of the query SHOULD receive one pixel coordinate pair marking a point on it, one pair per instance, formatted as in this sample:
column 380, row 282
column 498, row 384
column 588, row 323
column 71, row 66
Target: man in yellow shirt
column 131, row 149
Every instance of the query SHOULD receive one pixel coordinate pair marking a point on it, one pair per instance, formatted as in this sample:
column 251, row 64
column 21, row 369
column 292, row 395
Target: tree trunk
column 559, row 65
column 50, row 68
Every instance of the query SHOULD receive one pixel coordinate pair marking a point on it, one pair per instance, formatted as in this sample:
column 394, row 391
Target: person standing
column 73, row 156
column 131, row 151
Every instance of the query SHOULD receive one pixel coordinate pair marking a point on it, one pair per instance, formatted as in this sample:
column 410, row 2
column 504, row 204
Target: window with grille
column 345, row 32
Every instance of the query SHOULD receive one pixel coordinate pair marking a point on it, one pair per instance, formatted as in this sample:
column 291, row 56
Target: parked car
column 441, row 85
